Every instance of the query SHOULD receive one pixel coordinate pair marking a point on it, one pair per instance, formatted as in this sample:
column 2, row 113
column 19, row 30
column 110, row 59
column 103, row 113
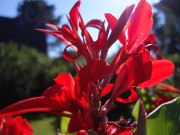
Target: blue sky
column 90, row 9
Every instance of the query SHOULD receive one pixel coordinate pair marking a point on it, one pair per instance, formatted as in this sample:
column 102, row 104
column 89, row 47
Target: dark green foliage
column 165, row 119
column 26, row 73
column 175, row 77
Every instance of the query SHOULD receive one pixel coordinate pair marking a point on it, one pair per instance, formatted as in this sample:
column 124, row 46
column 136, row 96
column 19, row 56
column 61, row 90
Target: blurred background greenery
column 26, row 70
column 25, row 73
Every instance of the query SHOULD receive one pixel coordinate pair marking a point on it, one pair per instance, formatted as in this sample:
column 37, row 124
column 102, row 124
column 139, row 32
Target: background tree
column 25, row 72
column 169, row 32
column 40, row 13
column 37, row 11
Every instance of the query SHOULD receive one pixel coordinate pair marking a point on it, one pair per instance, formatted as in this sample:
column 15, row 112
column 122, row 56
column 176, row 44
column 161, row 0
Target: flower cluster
column 81, row 95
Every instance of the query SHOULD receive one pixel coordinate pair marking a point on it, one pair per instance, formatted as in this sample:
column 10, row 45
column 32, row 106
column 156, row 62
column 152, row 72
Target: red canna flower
column 16, row 126
column 84, row 44
column 132, row 63
column 78, row 96
column 81, row 95
column 132, row 52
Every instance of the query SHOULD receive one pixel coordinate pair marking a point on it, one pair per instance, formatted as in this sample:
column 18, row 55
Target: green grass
column 43, row 124
column 47, row 124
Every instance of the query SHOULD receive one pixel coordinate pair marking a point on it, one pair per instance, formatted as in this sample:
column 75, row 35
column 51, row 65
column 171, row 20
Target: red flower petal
column 158, row 71
column 106, row 90
column 16, row 126
column 52, row 26
column 131, row 74
column 63, row 93
column 168, row 88
column 121, row 81
column 81, row 132
column 74, row 15
column 30, row 105
column 58, row 35
column 80, row 121
column 132, row 98
column 68, row 34
column 119, row 26
column 68, row 56
column 96, row 23
column 143, row 56
column 112, row 21
column 136, row 71
column 66, row 80
column 52, row 91
column 126, row 133
column 94, row 70
column 141, row 24
column 46, row 103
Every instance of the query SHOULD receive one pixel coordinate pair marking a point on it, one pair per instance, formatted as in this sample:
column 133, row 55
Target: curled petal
column 132, row 98
column 140, row 54
column 68, row 56
column 96, row 23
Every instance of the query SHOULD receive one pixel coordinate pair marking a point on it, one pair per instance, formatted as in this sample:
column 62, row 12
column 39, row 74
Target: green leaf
column 165, row 120
column 136, row 110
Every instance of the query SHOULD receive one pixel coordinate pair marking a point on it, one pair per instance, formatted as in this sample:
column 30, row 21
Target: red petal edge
column 132, row 98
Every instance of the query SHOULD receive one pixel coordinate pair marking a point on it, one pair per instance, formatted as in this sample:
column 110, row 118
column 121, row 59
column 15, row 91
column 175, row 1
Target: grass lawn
column 46, row 124
column 43, row 124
